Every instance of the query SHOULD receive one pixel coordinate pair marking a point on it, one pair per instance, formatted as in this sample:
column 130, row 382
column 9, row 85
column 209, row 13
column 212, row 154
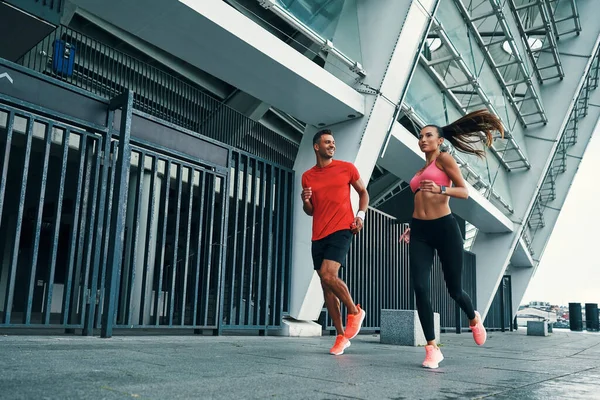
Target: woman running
column 434, row 228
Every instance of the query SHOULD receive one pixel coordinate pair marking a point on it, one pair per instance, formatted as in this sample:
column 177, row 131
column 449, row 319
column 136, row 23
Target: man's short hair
column 318, row 135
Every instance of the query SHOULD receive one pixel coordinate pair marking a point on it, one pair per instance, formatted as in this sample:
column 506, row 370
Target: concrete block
column 402, row 327
column 295, row 328
column 537, row 328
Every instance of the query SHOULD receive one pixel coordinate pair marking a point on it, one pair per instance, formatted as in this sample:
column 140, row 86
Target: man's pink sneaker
column 433, row 357
column 354, row 323
column 479, row 333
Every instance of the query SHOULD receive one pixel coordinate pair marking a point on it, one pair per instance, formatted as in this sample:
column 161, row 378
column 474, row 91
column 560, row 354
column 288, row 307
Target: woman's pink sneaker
column 479, row 333
column 433, row 357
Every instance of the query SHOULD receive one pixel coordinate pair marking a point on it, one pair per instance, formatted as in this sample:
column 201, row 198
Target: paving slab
column 511, row 365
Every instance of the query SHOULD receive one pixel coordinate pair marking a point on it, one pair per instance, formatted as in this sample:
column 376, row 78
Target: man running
column 326, row 197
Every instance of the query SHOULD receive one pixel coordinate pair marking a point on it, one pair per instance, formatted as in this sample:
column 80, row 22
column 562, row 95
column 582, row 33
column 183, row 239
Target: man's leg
column 330, row 280
column 333, row 307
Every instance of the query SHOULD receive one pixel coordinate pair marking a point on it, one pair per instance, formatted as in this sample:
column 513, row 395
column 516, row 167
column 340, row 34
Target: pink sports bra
column 430, row 173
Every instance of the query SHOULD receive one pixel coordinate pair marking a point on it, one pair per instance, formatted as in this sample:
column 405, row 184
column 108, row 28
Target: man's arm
column 306, row 202
column 363, row 204
column 363, row 195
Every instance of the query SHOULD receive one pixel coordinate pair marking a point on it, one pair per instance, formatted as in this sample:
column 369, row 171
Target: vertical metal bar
column 115, row 247
column 6, row 158
column 79, row 293
column 91, row 224
column 136, row 233
column 96, row 73
column 260, row 203
column 211, row 222
column 501, row 290
column 112, row 158
column 105, row 71
column 510, row 306
column 74, row 231
column 457, row 316
column 201, row 193
column 161, row 261
column 266, row 223
column 149, row 237
column 251, row 240
column 222, row 251
column 175, row 245
column 286, row 245
column 191, row 177
column 57, row 219
column 235, row 182
column 189, row 107
column 99, row 229
column 269, row 181
column 278, row 282
column 10, row 289
column 38, row 223
column 243, row 240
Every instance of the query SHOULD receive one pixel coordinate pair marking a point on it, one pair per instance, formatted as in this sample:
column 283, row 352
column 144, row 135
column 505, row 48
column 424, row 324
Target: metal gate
column 113, row 218
column 102, row 233
column 102, row 227
column 51, row 178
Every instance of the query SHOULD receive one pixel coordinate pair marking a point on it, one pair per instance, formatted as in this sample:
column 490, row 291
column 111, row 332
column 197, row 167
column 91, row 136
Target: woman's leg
column 421, row 260
column 451, row 252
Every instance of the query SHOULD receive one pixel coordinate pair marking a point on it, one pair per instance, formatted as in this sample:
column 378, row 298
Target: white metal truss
column 461, row 93
column 325, row 44
column 527, row 240
column 512, row 74
column 547, row 192
column 571, row 17
column 533, row 18
column 470, row 235
column 392, row 191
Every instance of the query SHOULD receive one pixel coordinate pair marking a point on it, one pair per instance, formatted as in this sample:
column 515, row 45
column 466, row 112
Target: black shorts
column 333, row 247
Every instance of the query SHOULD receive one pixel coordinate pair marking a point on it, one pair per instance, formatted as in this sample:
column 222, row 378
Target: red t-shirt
column 332, row 210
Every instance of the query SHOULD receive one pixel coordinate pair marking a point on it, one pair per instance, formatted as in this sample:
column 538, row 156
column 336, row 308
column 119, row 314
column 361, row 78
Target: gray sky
column 569, row 270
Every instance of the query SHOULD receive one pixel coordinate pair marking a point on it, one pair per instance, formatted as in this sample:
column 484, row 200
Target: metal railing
column 72, row 57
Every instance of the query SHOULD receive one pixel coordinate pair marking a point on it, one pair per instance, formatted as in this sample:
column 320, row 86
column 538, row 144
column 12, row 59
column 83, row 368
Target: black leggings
column 443, row 235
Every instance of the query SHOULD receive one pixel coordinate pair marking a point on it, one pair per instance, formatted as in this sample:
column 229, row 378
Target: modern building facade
column 170, row 138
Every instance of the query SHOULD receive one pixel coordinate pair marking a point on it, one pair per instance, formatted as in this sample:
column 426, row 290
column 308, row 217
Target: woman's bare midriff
column 430, row 206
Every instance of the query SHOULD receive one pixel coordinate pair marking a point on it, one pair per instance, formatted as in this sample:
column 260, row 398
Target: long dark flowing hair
column 464, row 132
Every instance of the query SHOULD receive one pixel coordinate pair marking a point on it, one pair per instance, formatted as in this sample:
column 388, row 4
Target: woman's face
column 429, row 139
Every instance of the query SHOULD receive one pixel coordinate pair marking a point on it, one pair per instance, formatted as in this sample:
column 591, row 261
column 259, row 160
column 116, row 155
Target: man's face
column 326, row 146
